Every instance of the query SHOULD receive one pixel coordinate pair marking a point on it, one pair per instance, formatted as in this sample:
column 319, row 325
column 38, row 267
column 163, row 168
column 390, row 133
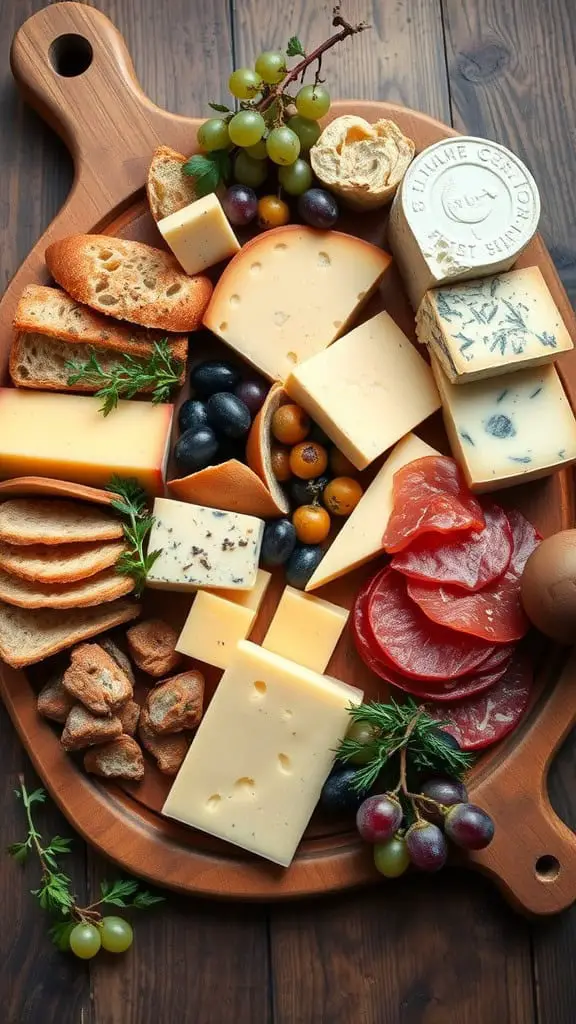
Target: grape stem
column 346, row 29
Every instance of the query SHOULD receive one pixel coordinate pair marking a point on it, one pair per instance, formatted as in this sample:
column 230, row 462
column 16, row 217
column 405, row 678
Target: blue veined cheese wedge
column 508, row 429
column 493, row 325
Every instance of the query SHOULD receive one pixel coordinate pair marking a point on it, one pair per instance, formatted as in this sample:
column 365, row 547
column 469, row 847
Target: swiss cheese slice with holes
column 290, row 292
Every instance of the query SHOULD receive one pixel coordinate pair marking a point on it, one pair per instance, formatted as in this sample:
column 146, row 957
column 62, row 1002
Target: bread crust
column 59, row 563
column 122, row 758
column 152, row 646
column 106, row 586
column 166, row 198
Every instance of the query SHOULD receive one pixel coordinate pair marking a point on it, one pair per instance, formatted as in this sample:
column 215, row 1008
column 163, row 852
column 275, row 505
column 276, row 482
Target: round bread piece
column 52, row 521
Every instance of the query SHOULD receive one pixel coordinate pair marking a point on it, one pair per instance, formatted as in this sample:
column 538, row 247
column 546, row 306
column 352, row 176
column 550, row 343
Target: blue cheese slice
column 508, row 429
column 493, row 325
column 203, row 547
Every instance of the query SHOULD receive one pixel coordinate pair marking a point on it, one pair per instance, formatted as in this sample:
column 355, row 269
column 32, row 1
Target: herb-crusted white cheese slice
column 203, row 547
column 508, row 429
column 493, row 325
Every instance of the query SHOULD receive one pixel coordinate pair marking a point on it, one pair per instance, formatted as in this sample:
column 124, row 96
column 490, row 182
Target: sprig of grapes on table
column 266, row 139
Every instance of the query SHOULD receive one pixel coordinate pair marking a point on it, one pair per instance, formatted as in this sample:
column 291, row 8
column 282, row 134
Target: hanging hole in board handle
column 547, row 868
column 70, row 55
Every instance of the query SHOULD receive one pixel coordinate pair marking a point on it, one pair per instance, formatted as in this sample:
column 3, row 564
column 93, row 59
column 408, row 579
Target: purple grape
column 427, row 846
column 444, row 791
column 318, row 208
column 240, row 205
column 252, row 393
column 378, row 818
column 469, row 826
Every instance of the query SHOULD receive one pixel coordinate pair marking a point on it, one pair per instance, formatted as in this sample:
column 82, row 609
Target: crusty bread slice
column 30, row 521
column 167, row 187
column 29, row 636
column 121, row 758
column 51, row 312
column 106, row 586
column 129, row 281
column 59, row 563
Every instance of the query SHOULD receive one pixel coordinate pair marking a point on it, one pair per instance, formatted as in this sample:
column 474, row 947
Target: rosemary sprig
column 54, row 893
column 158, row 374
column 131, row 503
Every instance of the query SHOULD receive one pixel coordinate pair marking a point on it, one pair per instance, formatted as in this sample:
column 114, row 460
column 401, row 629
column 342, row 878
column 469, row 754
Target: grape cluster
column 114, row 934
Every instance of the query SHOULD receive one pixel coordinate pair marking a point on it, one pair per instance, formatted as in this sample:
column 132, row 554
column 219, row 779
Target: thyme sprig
column 131, row 502
column 158, row 374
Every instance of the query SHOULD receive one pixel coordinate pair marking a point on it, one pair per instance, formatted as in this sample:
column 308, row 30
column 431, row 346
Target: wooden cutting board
column 73, row 67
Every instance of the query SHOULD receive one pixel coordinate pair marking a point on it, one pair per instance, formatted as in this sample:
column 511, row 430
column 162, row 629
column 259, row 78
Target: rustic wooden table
column 444, row 950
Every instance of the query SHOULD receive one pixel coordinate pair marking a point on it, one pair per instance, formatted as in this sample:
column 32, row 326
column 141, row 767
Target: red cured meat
column 453, row 689
column 469, row 562
column 429, row 496
column 416, row 646
column 482, row 720
column 494, row 613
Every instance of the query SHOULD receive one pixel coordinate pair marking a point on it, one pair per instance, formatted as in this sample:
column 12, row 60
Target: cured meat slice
column 494, row 613
column 486, row 718
column 470, row 562
column 452, row 689
column 415, row 645
column 430, row 496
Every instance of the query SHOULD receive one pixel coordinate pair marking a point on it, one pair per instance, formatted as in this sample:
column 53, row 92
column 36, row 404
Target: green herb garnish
column 158, row 374
column 131, row 502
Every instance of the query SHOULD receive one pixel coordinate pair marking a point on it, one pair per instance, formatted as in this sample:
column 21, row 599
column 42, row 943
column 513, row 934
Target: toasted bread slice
column 83, row 729
column 177, row 704
column 59, row 563
column 29, row 636
column 129, row 281
column 54, row 701
column 120, row 759
column 152, row 646
column 129, row 715
column 34, row 521
column 96, row 680
column 106, row 586
column 168, row 751
column 167, row 187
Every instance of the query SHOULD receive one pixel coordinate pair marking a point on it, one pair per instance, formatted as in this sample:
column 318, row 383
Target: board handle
column 533, row 853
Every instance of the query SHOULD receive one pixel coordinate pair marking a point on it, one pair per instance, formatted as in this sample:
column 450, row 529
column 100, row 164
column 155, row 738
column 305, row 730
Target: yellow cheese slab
column 199, row 235
column 305, row 629
column 68, row 438
column 248, row 598
column 360, row 538
column 367, row 390
column 256, row 767
column 214, row 628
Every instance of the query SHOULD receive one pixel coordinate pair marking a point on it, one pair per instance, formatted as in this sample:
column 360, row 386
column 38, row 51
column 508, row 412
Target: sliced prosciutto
column 430, row 496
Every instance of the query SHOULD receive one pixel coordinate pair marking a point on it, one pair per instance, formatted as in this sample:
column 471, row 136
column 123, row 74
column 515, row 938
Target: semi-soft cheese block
column 466, row 208
column 199, row 235
column 492, row 325
column 305, row 629
column 249, row 598
column 214, row 628
column 508, row 429
column 67, row 437
column 264, row 748
column 290, row 292
column 367, row 390
column 360, row 538
column 203, row 547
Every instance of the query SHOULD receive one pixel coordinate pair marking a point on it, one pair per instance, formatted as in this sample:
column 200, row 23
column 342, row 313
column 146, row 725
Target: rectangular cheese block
column 290, row 292
column 491, row 326
column 203, row 547
column 66, row 437
column 262, row 753
column 214, row 628
column 360, row 538
column 367, row 390
column 199, row 235
column 305, row 629
column 248, row 598
column 508, row 429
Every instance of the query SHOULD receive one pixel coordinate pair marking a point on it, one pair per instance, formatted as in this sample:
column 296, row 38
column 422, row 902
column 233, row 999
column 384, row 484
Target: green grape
column 283, row 146
column 117, row 934
column 248, row 171
column 295, row 178
column 313, row 101
column 364, row 733
column 246, row 128
column 244, row 83
column 213, row 134
column 271, row 66
column 258, row 151
column 85, row 940
column 391, row 858
column 307, row 131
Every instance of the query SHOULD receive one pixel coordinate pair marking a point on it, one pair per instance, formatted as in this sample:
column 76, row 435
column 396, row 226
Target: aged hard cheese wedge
column 492, row 325
column 290, row 292
column 508, row 429
column 360, row 538
column 305, row 629
column 199, row 235
column 367, row 390
column 466, row 207
column 66, row 437
column 257, row 764
column 203, row 547
column 214, row 628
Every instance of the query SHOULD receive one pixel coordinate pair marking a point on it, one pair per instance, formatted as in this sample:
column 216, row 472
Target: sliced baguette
column 106, row 586
column 29, row 521
column 129, row 281
column 59, row 563
column 167, row 187
column 29, row 636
